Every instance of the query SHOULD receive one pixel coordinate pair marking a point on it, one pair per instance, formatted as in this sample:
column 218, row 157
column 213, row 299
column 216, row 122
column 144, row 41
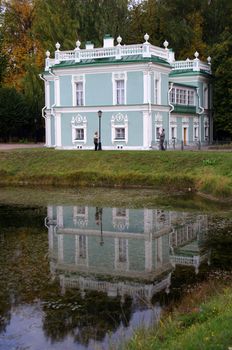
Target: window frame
column 119, row 93
column 79, row 93
column 75, row 80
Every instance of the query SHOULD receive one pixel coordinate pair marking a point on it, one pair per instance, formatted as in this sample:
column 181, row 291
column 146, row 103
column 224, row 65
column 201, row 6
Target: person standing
column 162, row 138
column 95, row 141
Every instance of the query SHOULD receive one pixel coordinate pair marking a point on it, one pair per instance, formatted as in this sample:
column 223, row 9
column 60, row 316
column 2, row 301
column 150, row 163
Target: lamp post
column 100, row 216
column 99, row 130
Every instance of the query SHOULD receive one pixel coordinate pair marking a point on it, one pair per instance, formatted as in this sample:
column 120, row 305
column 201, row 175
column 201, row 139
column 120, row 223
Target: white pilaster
column 48, row 138
column 57, row 91
column 59, row 216
column 145, row 87
column 58, row 130
column 147, row 129
column 47, row 94
column 148, row 254
column 60, row 248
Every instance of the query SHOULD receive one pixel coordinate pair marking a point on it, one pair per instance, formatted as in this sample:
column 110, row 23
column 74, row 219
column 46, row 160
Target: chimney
column 89, row 45
column 108, row 41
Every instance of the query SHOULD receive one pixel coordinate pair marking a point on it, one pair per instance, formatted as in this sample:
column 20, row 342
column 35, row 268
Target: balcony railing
column 115, row 52
column 119, row 51
column 192, row 65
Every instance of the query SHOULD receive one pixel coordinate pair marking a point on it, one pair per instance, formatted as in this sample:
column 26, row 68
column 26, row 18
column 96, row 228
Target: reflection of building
column 121, row 251
column 186, row 243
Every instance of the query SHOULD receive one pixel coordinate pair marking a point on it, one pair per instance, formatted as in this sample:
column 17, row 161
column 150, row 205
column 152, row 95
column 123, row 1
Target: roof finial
column 119, row 40
column 146, row 38
column 58, row 46
column 196, row 55
column 166, row 43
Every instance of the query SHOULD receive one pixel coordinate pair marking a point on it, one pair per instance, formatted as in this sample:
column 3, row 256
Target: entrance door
column 185, row 136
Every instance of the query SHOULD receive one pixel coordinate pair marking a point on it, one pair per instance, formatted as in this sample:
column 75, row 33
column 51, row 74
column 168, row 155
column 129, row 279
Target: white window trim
column 79, row 219
column 206, row 126
column 158, row 124
column 173, row 124
column 119, row 121
column 120, row 223
column 173, row 91
column 79, row 122
column 115, row 77
column 77, row 79
column 196, row 125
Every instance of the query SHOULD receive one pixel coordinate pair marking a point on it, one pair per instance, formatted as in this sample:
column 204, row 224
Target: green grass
column 202, row 326
column 208, row 172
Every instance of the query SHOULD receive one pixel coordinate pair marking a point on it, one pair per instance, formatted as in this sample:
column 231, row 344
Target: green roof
column 111, row 60
column 184, row 73
column 185, row 85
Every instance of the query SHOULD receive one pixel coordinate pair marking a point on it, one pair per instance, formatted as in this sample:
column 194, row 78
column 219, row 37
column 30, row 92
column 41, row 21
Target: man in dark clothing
column 95, row 141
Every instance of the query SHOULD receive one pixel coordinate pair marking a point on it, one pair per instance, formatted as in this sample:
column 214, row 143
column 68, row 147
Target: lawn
column 200, row 171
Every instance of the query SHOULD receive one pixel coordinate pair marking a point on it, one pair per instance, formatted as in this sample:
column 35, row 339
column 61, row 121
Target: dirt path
column 9, row 146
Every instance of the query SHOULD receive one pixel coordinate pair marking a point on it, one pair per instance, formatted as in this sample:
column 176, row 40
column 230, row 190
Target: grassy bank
column 202, row 321
column 207, row 172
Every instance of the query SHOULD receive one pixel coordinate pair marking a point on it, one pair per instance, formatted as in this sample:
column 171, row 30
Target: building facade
column 139, row 89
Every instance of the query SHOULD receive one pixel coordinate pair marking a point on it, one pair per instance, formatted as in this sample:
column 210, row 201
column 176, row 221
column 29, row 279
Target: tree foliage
column 14, row 117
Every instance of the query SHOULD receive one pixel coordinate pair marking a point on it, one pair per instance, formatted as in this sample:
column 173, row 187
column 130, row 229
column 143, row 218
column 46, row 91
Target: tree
column 222, row 84
column 19, row 42
column 3, row 57
column 14, row 117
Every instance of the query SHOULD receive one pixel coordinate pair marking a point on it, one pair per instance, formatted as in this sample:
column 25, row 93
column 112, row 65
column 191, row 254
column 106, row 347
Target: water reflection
column 95, row 279
column 123, row 253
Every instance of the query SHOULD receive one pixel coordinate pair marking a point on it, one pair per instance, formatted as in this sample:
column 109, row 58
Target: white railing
column 117, row 52
column 193, row 65
column 133, row 290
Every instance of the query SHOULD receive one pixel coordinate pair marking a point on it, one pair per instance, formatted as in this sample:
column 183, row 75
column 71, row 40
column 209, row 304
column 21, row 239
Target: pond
column 84, row 269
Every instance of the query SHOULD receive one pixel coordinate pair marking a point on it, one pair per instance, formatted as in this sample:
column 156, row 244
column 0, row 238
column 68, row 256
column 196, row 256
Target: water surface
column 78, row 272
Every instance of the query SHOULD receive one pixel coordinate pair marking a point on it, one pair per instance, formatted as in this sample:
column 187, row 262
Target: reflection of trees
column 84, row 319
column 24, row 269
column 5, row 307
column 220, row 242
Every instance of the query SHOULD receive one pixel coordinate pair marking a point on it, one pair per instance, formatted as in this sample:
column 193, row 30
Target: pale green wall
column 66, row 128
column 52, row 130
column 164, row 89
column 51, row 91
column 98, row 89
column 66, row 90
column 135, row 121
column 134, row 87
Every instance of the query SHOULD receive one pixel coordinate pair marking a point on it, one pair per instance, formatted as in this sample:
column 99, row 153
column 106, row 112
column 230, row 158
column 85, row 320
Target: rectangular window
column 173, row 133
column 120, row 92
column 122, row 245
column 79, row 93
column 206, row 133
column 177, row 96
column 182, row 97
column 157, row 131
column 172, row 97
column 191, row 98
column 79, row 134
column 120, row 133
column 156, row 91
column 82, row 246
column 195, row 132
column 120, row 212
